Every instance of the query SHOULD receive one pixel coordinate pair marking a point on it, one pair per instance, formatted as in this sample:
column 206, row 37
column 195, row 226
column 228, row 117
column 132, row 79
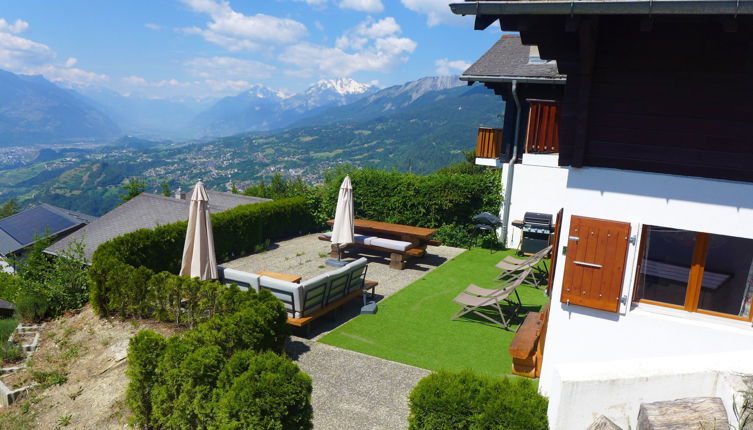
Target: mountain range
column 261, row 108
column 35, row 111
column 417, row 127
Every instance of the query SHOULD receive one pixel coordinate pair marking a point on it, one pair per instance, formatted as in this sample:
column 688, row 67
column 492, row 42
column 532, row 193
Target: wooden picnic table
column 419, row 236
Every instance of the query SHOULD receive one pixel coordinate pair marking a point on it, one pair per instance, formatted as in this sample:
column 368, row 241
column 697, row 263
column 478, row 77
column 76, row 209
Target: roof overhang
column 618, row 7
column 518, row 79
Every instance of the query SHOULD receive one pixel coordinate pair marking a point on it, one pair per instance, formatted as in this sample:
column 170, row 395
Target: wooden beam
column 587, row 35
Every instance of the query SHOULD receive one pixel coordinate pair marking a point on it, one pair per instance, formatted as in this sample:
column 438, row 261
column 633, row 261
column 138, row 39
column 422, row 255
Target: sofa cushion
column 357, row 238
column 244, row 280
column 397, row 245
column 288, row 292
column 314, row 293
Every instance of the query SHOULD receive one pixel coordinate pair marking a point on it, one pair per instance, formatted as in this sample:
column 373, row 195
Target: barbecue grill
column 537, row 230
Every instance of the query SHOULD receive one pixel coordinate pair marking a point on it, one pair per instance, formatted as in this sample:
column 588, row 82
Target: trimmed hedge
column 134, row 275
column 465, row 400
column 424, row 201
column 227, row 373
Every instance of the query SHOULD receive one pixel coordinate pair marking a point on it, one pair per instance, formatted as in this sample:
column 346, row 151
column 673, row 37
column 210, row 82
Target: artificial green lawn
column 413, row 326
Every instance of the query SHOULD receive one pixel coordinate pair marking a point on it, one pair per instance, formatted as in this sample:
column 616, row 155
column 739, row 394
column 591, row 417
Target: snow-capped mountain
column 261, row 108
column 327, row 93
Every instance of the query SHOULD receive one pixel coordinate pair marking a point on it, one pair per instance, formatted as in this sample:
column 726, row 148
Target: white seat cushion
column 397, row 245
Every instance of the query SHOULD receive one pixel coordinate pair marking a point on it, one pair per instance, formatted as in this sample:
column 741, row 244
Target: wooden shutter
column 555, row 252
column 543, row 127
column 595, row 264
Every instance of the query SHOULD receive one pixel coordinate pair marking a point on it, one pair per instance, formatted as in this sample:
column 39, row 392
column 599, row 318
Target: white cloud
column 447, row 67
column 370, row 46
column 136, row 81
column 229, row 68
column 152, row 26
column 436, row 11
column 235, row 31
column 371, row 6
column 25, row 56
column 314, row 2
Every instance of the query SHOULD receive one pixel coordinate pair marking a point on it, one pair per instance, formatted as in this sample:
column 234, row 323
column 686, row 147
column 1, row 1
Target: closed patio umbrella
column 342, row 230
column 198, row 252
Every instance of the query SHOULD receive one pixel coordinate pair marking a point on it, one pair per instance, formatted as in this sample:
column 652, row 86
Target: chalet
column 652, row 174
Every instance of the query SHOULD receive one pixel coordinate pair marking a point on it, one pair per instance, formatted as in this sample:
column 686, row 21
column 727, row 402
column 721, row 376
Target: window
column 696, row 272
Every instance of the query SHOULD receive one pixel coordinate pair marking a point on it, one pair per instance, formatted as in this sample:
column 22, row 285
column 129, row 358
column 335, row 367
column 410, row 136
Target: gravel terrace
column 305, row 256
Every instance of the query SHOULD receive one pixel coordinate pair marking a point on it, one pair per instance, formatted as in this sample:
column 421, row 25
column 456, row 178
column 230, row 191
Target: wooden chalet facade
column 653, row 172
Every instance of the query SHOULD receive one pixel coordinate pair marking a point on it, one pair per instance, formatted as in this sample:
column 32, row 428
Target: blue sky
column 205, row 48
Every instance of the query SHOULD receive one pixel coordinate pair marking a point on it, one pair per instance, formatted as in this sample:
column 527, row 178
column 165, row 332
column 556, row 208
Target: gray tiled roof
column 24, row 228
column 510, row 58
column 144, row 211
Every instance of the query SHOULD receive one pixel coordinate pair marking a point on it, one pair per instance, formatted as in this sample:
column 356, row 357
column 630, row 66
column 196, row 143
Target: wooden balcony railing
column 543, row 127
column 489, row 144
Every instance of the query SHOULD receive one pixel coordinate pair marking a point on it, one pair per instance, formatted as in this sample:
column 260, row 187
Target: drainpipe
column 511, row 169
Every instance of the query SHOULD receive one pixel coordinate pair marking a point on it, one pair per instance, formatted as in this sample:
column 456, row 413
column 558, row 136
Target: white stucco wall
column 578, row 335
column 537, row 187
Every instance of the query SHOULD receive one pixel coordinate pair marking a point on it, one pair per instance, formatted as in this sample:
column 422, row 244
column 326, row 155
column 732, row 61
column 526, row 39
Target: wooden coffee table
column 281, row 276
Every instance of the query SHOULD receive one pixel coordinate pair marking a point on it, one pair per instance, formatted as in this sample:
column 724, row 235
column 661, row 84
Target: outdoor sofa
column 311, row 298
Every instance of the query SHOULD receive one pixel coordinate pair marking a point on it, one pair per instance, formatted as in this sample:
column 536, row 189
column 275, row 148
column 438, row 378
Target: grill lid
column 537, row 218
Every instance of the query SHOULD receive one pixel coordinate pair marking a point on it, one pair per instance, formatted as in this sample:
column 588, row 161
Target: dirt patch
column 80, row 368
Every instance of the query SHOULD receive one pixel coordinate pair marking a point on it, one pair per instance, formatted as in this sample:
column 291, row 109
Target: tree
column 9, row 208
column 133, row 188
column 166, row 191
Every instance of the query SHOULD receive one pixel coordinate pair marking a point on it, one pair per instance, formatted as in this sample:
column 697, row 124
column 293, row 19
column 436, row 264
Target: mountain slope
column 386, row 102
column 261, row 108
column 33, row 110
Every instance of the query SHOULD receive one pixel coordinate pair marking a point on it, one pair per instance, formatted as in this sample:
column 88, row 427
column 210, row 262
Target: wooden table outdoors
column 281, row 276
column 418, row 236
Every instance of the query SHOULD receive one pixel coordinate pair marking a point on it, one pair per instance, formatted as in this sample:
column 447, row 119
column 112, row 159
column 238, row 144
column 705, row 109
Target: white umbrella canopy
column 198, row 252
column 342, row 230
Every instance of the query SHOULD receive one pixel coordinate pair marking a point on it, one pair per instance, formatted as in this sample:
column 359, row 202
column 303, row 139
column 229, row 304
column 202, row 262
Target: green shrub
column 116, row 286
column 260, row 325
column 32, row 302
column 7, row 326
column 144, row 352
column 464, row 400
column 10, row 353
column 424, row 201
column 175, row 383
column 263, row 391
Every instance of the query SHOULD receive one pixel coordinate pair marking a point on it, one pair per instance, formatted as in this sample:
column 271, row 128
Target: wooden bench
column 527, row 347
column 304, row 321
column 397, row 258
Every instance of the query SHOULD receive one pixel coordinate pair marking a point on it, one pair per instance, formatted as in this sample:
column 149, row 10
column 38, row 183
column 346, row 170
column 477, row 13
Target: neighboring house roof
column 24, row 228
column 144, row 211
column 6, row 305
column 508, row 60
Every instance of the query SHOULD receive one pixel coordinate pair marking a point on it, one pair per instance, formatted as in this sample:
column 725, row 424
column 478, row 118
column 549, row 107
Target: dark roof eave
column 618, row 7
column 518, row 79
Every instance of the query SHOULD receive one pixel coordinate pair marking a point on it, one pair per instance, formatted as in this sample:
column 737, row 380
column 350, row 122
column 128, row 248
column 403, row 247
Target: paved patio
column 306, row 255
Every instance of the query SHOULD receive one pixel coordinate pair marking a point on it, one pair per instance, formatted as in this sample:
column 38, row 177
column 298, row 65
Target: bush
column 144, row 351
column 263, row 391
column 32, row 302
column 464, row 400
column 10, row 353
column 192, row 380
column 122, row 277
column 424, row 201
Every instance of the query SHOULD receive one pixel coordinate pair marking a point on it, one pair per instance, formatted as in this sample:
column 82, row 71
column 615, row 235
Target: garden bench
column 400, row 241
column 527, row 347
